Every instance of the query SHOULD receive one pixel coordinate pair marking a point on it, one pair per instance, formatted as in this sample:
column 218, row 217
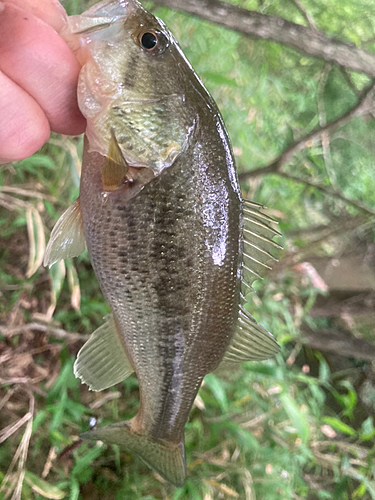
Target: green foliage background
column 276, row 430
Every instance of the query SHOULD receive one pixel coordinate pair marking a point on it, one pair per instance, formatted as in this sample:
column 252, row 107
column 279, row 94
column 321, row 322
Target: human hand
column 38, row 78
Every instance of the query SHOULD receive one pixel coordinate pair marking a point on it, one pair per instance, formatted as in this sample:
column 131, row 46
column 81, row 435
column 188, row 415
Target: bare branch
column 323, row 122
column 350, row 82
column 306, row 15
column 16, row 480
column 58, row 333
column 339, row 343
column 364, row 105
column 320, row 95
column 300, row 38
column 28, row 193
column 327, row 190
column 12, row 428
column 108, row 397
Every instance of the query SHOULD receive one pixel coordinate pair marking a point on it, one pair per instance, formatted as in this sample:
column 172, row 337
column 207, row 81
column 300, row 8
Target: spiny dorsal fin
column 102, row 361
column 67, row 239
column 251, row 342
column 258, row 245
column 115, row 166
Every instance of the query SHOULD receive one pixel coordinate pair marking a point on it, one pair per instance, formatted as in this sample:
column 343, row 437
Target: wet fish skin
column 163, row 219
column 167, row 260
column 167, row 263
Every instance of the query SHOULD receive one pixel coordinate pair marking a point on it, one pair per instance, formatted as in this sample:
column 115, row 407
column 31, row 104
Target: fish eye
column 149, row 40
column 154, row 42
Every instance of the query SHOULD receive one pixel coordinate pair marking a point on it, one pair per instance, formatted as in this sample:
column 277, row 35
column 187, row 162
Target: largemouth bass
column 171, row 241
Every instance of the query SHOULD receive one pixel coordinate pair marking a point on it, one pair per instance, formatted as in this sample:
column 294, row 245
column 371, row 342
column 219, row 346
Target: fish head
column 133, row 84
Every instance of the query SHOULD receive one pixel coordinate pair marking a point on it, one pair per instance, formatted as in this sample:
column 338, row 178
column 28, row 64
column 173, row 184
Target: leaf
column 37, row 242
column 339, row 426
column 35, row 163
column 74, row 489
column 246, row 439
column 219, row 79
column 368, row 431
column 262, row 369
column 349, row 400
column 39, row 419
column 324, row 371
column 178, row 493
column 368, row 425
column 58, row 411
column 215, row 385
column 57, row 273
column 66, row 380
column 43, row 488
column 229, row 492
column 74, row 288
column 360, row 491
column 192, row 491
column 84, row 461
column 296, row 416
column 38, row 161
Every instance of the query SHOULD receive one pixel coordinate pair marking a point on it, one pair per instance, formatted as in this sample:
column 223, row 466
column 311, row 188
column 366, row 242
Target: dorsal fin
column 251, row 341
column 258, row 245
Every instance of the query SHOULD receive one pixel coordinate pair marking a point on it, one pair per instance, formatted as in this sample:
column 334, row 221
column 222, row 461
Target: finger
column 34, row 56
column 49, row 11
column 24, row 127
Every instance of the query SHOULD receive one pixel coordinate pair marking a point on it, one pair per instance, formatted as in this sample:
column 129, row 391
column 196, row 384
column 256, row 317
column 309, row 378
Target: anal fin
column 102, row 361
column 67, row 239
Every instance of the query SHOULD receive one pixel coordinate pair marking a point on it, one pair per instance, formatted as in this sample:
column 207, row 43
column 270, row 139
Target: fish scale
column 174, row 247
column 166, row 297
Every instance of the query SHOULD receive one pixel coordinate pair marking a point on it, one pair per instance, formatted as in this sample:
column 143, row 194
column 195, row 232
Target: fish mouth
column 102, row 16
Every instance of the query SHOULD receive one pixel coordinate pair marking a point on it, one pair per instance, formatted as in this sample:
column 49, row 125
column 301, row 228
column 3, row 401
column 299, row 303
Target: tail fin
column 167, row 459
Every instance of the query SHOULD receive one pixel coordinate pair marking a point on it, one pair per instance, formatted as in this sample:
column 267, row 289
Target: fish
column 174, row 246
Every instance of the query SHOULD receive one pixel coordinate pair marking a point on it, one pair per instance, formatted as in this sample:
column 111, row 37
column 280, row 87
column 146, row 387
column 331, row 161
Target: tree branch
column 364, row 105
column 300, row 38
column 327, row 190
column 306, row 15
column 350, row 82
column 57, row 333
column 339, row 343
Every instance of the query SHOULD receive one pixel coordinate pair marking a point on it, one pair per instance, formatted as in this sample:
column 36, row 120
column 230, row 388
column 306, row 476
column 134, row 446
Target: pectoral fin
column 115, row 167
column 102, row 361
column 67, row 239
column 251, row 342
